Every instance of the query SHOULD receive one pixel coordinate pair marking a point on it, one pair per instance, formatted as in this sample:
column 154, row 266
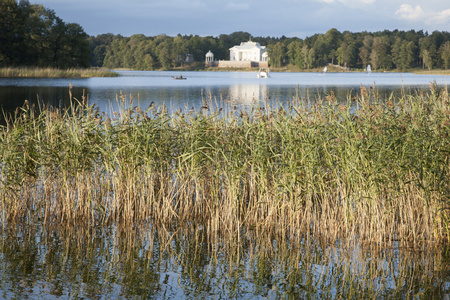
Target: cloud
column 351, row 3
column 417, row 14
column 442, row 17
column 237, row 6
column 407, row 12
column 356, row 2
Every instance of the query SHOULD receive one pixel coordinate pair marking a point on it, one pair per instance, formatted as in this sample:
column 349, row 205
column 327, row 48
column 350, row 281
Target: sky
column 260, row 18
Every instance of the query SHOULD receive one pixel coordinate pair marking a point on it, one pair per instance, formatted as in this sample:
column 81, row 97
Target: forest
column 384, row 50
column 33, row 36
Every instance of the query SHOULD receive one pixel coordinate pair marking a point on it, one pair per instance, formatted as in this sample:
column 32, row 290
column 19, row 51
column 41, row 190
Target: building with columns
column 249, row 51
column 246, row 55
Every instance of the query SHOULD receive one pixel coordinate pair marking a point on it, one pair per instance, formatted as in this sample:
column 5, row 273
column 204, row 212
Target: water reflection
column 14, row 96
column 241, row 87
column 150, row 262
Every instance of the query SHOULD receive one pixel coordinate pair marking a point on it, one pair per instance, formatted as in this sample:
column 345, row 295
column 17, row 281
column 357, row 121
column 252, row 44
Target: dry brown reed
column 24, row 72
column 372, row 169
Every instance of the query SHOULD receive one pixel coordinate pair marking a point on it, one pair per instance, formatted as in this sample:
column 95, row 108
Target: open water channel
column 145, row 261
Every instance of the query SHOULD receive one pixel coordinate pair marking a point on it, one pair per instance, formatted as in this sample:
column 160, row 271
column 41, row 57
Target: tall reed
column 23, row 72
column 372, row 168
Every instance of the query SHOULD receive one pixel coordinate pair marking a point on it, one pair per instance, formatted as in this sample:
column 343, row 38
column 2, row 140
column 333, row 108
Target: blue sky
column 291, row 18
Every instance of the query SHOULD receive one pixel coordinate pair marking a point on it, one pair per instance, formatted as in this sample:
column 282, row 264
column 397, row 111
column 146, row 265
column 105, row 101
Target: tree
column 32, row 35
column 277, row 53
column 403, row 54
column 365, row 49
column 12, row 23
column 379, row 56
column 346, row 53
column 310, row 57
column 427, row 52
column 445, row 54
column 99, row 46
column 163, row 51
column 326, row 45
column 295, row 54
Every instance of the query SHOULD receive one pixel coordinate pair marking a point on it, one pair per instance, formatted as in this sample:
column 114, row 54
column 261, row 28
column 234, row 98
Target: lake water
column 145, row 87
column 63, row 262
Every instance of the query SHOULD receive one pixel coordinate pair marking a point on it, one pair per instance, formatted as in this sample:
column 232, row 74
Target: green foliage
column 32, row 35
column 445, row 54
column 383, row 50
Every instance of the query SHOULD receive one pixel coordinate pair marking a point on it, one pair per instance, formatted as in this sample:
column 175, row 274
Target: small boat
column 325, row 70
column 263, row 73
column 179, row 77
column 369, row 69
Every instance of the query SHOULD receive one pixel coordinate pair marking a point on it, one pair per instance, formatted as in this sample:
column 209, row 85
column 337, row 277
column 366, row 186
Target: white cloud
column 442, row 17
column 407, row 12
column 356, row 2
column 349, row 3
column 237, row 6
column 417, row 14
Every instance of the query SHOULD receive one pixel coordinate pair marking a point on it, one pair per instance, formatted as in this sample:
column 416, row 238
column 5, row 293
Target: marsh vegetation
column 25, row 72
column 237, row 182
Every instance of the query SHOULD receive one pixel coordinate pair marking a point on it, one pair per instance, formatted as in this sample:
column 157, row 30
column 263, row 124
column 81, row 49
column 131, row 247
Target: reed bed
column 371, row 169
column 34, row 72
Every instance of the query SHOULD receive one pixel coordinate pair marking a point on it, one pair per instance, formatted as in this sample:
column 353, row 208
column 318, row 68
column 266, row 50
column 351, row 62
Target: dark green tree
column 445, row 54
column 380, row 55
column 295, row 54
column 12, row 33
column 277, row 54
column 347, row 52
column 428, row 52
column 32, row 35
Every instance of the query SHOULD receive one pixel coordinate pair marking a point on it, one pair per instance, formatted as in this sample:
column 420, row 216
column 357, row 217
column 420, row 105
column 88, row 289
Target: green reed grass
column 373, row 169
column 21, row 72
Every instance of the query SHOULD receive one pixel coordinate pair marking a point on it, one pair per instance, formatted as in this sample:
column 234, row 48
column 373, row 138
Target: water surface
column 159, row 87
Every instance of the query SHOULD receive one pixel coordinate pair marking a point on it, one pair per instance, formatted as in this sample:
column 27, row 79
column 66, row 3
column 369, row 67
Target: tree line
column 383, row 50
column 32, row 35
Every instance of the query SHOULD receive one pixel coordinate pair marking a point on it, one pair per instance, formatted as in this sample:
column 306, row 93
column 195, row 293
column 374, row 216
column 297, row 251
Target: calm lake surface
column 241, row 87
column 66, row 262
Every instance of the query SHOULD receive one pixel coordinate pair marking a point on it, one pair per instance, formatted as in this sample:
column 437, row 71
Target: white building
column 209, row 57
column 246, row 55
column 249, row 51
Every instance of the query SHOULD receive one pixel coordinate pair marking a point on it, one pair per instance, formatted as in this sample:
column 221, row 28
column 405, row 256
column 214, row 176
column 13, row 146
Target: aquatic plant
column 371, row 169
column 22, row 72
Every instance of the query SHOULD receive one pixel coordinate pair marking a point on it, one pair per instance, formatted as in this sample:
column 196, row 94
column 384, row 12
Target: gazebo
column 209, row 57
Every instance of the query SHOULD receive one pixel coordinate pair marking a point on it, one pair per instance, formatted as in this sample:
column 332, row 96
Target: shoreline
column 34, row 72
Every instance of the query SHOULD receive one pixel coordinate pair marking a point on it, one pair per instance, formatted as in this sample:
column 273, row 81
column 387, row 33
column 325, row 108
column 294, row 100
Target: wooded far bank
column 33, row 36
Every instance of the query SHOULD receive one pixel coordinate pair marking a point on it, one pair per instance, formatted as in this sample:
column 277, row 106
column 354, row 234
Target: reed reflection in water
column 150, row 262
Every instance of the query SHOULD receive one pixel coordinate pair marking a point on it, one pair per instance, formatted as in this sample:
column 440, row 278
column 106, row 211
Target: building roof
column 249, row 45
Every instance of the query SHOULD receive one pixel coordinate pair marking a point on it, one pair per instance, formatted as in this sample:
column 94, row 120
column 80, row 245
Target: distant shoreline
column 33, row 72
